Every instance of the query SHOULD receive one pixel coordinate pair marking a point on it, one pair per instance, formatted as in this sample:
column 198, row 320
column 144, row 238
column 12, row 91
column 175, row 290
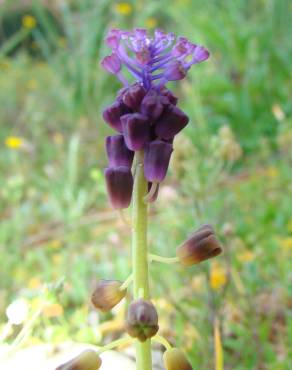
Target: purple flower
column 152, row 60
column 136, row 130
column 171, row 123
column 119, row 183
column 133, row 96
column 153, row 104
column 112, row 63
column 117, row 152
column 112, row 115
column 156, row 160
column 145, row 113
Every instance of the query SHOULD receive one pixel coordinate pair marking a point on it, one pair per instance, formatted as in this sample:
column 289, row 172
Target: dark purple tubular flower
column 119, row 183
column 136, row 130
column 145, row 111
column 117, row 152
column 156, row 160
column 172, row 121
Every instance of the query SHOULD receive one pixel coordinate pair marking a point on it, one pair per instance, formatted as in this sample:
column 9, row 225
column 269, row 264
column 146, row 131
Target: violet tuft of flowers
column 145, row 111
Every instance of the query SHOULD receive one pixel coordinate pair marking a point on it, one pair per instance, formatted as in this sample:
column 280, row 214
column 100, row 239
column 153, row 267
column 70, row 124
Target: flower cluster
column 145, row 113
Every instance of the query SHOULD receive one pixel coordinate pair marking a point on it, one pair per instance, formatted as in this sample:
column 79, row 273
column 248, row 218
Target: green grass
column 55, row 220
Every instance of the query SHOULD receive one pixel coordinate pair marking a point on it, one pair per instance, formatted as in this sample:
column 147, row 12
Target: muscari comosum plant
column 146, row 117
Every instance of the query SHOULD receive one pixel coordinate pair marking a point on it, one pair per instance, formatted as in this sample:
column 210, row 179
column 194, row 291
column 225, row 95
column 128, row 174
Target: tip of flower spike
column 154, row 60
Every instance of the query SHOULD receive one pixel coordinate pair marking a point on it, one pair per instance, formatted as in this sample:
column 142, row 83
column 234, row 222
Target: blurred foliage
column 231, row 167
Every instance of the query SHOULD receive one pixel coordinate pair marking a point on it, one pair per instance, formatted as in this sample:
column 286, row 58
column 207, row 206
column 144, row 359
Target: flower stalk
column 140, row 255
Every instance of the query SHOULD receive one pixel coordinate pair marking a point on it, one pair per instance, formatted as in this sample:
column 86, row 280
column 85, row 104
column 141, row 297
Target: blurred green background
column 231, row 168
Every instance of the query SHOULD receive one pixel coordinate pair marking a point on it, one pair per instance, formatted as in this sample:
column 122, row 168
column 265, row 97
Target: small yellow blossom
column 124, row 8
column 56, row 259
column 58, row 138
column 151, row 22
column 14, row 142
column 53, row 310
column 286, row 243
column 246, row 256
column 272, row 172
column 34, row 283
column 32, row 84
column 29, row 22
column 55, row 244
column 218, row 276
column 289, row 226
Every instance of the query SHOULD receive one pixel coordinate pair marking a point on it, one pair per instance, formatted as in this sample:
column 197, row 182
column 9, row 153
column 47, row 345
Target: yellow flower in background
column 272, row 172
column 34, row 283
column 289, row 226
column 53, row 310
column 246, row 256
column 55, row 244
column 124, row 8
column 218, row 277
column 56, row 258
column 29, row 22
column 58, row 138
column 151, row 22
column 32, row 84
column 14, row 142
column 286, row 243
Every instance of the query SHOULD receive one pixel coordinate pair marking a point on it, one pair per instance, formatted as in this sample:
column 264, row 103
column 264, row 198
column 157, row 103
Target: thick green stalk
column 140, row 255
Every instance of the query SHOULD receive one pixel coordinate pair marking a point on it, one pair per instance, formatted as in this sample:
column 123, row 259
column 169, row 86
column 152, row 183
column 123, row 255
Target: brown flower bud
column 107, row 294
column 201, row 245
column 87, row 360
column 175, row 359
column 142, row 320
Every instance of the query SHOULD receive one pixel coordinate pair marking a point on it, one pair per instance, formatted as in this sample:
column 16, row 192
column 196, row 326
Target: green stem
column 114, row 344
column 167, row 260
column 140, row 255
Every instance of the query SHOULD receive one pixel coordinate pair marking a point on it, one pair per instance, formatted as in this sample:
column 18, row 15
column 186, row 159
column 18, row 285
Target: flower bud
column 136, row 130
column 133, row 96
column 169, row 95
column 156, row 160
column 87, row 360
column 107, row 294
column 119, row 183
column 175, row 359
column 172, row 121
column 200, row 246
column 112, row 63
column 112, row 115
column 153, row 104
column 142, row 320
column 117, row 152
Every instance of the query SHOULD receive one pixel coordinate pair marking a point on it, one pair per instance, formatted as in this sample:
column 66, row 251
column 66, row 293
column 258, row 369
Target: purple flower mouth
column 153, row 61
